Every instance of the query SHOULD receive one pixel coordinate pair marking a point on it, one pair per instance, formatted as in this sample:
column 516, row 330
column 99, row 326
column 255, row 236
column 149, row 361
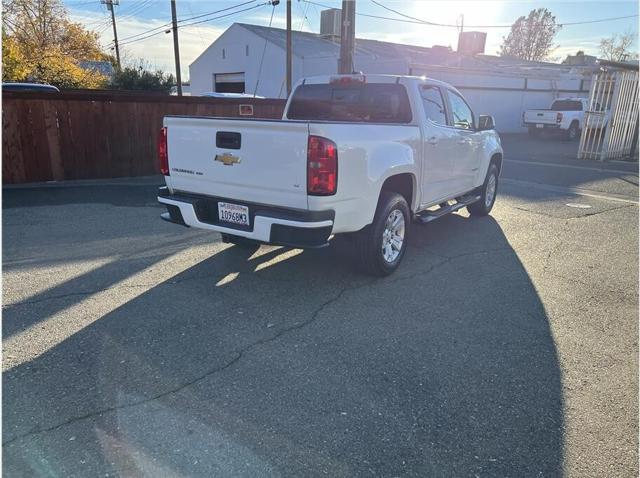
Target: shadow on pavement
column 305, row 368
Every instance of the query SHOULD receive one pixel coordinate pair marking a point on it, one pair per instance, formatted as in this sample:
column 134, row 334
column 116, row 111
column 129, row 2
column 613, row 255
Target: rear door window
column 362, row 103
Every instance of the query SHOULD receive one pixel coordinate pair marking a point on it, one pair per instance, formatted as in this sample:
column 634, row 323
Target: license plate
column 233, row 213
column 540, row 126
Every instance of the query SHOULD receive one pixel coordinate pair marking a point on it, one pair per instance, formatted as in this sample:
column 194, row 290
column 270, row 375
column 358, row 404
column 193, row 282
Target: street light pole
column 176, row 49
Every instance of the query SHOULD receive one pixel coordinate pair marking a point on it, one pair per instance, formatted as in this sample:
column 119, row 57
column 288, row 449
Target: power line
column 273, row 9
column 226, row 15
column 417, row 21
column 597, row 21
column 218, row 11
column 493, row 26
column 189, row 24
column 304, row 16
column 165, row 25
column 136, row 10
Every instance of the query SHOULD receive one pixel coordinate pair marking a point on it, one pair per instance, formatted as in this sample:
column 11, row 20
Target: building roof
column 309, row 45
column 313, row 45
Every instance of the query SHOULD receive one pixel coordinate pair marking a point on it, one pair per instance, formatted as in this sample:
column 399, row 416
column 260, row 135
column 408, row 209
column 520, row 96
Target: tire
column 488, row 192
column 573, row 132
column 242, row 242
column 368, row 243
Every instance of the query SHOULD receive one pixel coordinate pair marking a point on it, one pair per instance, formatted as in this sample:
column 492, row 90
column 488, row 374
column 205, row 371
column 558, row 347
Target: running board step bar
column 428, row 216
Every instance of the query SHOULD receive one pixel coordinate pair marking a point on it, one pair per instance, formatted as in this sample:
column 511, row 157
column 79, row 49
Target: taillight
column 163, row 155
column 558, row 117
column 322, row 166
column 348, row 80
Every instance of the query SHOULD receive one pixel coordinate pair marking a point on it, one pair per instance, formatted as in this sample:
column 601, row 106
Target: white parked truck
column 357, row 155
column 565, row 116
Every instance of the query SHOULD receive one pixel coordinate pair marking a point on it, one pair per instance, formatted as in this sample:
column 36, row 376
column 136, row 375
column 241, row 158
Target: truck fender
column 491, row 148
column 386, row 162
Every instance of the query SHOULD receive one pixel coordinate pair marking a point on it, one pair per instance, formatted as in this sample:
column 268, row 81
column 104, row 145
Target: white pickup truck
column 357, row 155
column 566, row 116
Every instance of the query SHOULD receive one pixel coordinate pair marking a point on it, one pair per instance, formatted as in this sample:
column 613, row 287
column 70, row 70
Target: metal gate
column 612, row 118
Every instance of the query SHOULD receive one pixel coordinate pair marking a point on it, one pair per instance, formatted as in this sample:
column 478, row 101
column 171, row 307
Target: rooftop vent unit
column 330, row 23
column 471, row 43
column 580, row 59
column 441, row 49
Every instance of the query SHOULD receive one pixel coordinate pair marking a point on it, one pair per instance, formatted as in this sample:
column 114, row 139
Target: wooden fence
column 89, row 135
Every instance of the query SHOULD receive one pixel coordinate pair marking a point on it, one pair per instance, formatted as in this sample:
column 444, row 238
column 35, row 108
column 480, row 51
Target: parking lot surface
column 503, row 346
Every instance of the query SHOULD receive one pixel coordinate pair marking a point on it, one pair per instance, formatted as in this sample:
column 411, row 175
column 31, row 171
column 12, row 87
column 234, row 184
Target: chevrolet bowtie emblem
column 227, row 159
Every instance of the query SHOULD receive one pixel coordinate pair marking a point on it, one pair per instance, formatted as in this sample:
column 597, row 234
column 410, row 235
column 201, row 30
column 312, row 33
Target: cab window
column 460, row 111
column 433, row 102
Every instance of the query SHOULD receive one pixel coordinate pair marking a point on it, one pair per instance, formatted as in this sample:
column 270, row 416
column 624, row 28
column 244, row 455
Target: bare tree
column 531, row 37
column 616, row 47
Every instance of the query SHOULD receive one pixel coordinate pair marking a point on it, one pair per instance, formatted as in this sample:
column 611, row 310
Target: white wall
column 272, row 76
column 502, row 96
column 234, row 41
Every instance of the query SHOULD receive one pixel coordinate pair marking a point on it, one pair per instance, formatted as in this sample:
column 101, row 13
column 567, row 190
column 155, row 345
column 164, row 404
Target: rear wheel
column 381, row 245
column 488, row 193
column 573, row 131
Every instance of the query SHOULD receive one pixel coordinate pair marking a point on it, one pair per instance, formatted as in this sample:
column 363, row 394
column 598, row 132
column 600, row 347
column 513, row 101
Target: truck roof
column 571, row 98
column 373, row 78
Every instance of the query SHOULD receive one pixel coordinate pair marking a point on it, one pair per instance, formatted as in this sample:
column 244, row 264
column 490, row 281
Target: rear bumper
column 268, row 224
column 554, row 126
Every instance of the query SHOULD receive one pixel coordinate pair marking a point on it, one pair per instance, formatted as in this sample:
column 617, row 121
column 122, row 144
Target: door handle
column 432, row 140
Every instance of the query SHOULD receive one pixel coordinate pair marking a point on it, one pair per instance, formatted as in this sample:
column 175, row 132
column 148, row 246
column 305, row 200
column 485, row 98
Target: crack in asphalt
column 556, row 248
column 590, row 214
column 239, row 354
column 538, row 213
column 625, row 294
column 580, row 216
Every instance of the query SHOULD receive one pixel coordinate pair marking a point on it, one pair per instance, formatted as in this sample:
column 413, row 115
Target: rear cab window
column 566, row 105
column 353, row 103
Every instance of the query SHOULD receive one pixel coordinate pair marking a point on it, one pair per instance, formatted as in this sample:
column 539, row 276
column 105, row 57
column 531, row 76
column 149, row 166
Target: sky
column 138, row 17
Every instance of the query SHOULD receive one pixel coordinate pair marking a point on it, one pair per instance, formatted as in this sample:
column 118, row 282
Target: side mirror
column 486, row 122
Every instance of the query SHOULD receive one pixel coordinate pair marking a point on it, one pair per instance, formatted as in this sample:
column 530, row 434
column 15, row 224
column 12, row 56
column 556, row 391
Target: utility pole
column 288, row 48
column 110, row 4
column 176, row 49
column 461, row 29
column 347, row 36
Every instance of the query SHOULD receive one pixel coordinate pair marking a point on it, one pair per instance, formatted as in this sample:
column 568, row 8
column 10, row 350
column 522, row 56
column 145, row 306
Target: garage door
column 228, row 82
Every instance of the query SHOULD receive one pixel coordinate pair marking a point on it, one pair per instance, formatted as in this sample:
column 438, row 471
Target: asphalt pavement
column 503, row 346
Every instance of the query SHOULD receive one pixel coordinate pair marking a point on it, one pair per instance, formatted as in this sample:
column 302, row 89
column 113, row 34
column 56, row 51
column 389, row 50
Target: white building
column 251, row 59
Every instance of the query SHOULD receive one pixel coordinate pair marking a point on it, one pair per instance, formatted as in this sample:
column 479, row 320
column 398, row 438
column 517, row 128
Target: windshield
column 369, row 103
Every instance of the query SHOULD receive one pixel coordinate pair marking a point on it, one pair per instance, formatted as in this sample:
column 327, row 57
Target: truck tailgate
column 260, row 161
column 540, row 116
